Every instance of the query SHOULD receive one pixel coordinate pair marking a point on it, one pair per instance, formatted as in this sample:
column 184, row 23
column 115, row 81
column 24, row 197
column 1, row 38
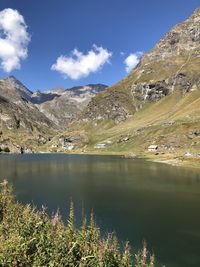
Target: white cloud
column 81, row 65
column 14, row 39
column 132, row 60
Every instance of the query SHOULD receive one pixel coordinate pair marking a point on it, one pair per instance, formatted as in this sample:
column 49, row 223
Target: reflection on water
column 136, row 198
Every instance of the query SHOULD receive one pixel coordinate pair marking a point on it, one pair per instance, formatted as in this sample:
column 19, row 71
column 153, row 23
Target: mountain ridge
column 159, row 72
column 31, row 119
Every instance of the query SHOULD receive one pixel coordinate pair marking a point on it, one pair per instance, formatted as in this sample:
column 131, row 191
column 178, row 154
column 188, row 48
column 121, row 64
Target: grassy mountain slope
column 157, row 103
column 174, row 63
column 172, row 123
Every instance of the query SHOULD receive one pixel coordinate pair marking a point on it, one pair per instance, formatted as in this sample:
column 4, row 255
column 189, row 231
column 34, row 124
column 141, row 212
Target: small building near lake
column 152, row 147
column 102, row 145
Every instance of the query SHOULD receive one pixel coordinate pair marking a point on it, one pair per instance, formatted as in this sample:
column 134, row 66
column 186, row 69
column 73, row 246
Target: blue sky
column 57, row 27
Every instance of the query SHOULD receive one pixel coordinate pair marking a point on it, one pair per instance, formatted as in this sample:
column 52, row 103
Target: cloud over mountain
column 80, row 65
column 132, row 60
column 14, row 39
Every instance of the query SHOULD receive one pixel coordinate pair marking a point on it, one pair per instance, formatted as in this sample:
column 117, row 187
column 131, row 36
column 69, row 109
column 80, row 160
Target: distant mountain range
column 32, row 118
column 62, row 106
column 158, row 103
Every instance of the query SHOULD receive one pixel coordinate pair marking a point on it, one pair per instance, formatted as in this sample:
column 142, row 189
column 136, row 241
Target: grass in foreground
column 31, row 238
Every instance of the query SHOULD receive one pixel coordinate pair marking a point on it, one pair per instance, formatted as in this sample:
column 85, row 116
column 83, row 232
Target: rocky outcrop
column 154, row 91
column 151, row 91
column 105, row 107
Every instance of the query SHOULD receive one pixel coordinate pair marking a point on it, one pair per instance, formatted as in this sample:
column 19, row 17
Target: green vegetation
column 30, row 238
column 172, row 123
column 127, row 122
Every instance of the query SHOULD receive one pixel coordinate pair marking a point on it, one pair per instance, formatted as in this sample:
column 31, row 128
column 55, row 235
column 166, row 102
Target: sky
column 51, row 43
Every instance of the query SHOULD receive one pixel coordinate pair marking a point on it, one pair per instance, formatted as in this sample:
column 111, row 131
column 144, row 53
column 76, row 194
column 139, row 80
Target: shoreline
column 173, row 161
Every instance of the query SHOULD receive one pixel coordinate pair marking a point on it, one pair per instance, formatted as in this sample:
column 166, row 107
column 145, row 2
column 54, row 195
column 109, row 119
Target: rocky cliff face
column 17, row 110
column 183, row 39
column 173, row 64
column 112, row 104
column 14, row 90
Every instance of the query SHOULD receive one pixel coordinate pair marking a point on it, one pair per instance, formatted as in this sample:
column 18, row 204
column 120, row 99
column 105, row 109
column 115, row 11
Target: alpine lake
column 137, row 199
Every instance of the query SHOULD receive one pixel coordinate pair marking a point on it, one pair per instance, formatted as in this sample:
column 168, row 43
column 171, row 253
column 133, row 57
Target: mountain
column 64, row 106
column 172, row 64
column 39, row 97
column 22, row 124
column 31, row 119
column 157, row 103
column 14, row 90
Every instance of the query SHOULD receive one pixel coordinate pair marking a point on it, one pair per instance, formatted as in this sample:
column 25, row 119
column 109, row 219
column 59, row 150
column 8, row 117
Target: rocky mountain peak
column 19, row 87
column 11, row 78
column 196, row 12
column 181, row 39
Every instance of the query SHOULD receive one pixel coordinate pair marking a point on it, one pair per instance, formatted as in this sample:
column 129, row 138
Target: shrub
column 31, row 238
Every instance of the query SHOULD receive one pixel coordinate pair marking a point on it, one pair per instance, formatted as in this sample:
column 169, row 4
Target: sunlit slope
column 172, row 64
column 157, row 103
column 171, row 123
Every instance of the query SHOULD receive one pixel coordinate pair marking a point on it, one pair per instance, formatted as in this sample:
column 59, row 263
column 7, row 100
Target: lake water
column 135, row 198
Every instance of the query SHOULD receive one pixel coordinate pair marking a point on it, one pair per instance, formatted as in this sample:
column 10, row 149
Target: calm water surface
column 136, row 198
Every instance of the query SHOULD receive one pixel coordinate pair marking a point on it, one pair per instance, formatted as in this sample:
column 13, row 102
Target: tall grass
column 30, row 238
